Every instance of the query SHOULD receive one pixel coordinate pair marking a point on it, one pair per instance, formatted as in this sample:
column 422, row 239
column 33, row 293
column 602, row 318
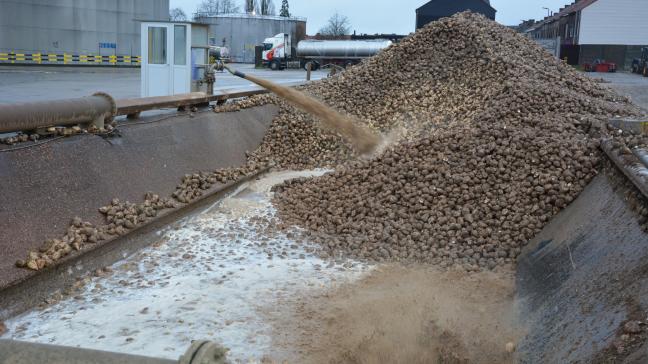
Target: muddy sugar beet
column 492, row 146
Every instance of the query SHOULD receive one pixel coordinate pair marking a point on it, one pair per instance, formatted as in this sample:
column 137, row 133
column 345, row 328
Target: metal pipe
column 629, row 164
column 30, row 353
column 93, row 109
column 642, row 154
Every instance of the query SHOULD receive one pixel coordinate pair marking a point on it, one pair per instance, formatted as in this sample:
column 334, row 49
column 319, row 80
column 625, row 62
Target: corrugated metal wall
column 615, row 22
column 242, row 33
column 98, row 27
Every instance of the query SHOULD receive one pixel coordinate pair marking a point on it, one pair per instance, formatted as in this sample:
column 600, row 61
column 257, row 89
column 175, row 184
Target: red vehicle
column 600, row 65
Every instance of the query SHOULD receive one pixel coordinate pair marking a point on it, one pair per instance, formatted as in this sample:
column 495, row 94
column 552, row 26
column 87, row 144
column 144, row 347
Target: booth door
column 158, row 73
column 181, row 64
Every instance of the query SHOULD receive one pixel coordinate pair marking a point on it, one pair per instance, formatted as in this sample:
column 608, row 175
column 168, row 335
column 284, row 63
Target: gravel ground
column 628, row 84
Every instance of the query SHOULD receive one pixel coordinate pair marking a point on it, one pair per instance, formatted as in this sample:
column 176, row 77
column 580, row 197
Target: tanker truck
column 279, row 54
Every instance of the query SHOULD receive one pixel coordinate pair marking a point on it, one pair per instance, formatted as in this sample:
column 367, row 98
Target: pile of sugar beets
column 492, row 137
column 123, row 216
column 495, row 138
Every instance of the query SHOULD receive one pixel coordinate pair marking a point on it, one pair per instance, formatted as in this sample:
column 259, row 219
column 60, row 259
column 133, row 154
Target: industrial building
column 611, row 30
column 241, row 33
column 75, row 32
column 437, row 9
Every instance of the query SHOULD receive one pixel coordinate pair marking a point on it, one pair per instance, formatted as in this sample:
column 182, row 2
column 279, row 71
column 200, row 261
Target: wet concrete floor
column 214, row 276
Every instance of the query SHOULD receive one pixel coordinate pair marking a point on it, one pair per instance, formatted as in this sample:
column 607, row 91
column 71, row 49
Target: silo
column 88, row 27
column 242, row 32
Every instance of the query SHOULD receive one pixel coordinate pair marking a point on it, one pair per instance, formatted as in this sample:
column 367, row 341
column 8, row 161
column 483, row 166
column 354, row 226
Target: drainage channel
column 212, row 276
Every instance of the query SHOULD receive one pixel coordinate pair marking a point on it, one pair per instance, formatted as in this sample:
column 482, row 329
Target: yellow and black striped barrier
column 72, row 59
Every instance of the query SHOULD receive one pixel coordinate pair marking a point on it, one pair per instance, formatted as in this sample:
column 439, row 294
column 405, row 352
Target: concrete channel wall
column 67, row 28
column 582, row 278
column 54, row 182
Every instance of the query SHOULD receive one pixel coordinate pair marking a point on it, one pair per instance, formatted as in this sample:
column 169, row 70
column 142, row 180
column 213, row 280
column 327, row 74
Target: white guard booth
column 174, row 57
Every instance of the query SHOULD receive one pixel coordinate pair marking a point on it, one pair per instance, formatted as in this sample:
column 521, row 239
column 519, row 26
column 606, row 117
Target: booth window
column 180, row 45
column 157, row 51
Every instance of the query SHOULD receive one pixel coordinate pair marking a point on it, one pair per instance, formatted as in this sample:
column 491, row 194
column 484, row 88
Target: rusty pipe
column 642, row 154
column 32, row 353
column 629, row 164
column 11, row 351
column 93, row 109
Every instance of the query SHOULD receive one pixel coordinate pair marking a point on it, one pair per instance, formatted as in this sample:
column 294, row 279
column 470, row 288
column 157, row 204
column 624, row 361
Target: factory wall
column 615, row 22
column 79, row 27
column 241, row 33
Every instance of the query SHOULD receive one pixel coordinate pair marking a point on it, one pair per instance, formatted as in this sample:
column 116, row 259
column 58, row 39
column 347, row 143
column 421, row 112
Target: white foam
column 209, row 279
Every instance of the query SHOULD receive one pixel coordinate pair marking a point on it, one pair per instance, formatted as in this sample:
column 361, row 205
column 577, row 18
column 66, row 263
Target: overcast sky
column 388, row 16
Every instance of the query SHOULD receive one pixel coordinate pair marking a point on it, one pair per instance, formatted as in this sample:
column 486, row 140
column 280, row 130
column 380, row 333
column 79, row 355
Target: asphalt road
column 35, row 83
column 628, row 84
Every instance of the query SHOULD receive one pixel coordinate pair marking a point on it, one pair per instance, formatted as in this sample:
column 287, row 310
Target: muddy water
column 405, row 315
column 361, row 137
column 215, row 276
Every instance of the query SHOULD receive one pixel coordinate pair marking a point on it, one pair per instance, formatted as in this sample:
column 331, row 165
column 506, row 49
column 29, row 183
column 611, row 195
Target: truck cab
column 276, row 51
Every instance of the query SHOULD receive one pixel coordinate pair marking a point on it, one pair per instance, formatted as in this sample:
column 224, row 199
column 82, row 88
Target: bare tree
column 177, row 14
column 337, row 25
column 215, row 7
column 267, row 7
column 251, row 7
column 285, row 9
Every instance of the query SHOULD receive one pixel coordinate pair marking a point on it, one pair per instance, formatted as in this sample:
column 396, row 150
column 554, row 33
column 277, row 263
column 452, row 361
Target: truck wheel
column 275, row 66
column 645, row 71
column 314, row 65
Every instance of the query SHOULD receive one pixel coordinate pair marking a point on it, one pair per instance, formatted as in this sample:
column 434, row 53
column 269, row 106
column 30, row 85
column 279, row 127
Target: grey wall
column 76, row 26
column 242, row 33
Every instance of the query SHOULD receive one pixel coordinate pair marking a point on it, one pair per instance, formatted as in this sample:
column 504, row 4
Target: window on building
column 157, row 51
column 180, row 45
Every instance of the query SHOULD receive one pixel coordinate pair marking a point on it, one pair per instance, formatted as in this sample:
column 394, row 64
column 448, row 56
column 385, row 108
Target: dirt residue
column 630, row 338
column 403, row 315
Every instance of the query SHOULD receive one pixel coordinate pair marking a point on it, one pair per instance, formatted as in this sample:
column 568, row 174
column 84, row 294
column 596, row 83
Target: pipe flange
column 113, row 103
column 205, row 352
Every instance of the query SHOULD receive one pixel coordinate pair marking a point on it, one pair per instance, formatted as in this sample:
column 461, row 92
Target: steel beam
column 138, row 105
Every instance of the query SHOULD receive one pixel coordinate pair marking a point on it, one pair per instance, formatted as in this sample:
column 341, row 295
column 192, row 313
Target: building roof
column 248, row 16
column 574, row 7
column 487, row 2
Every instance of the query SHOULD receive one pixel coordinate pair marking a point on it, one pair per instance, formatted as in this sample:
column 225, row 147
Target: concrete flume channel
column 578, row 281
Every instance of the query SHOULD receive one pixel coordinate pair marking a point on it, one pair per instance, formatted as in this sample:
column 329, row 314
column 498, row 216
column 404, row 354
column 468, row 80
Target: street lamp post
column 548, row 11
